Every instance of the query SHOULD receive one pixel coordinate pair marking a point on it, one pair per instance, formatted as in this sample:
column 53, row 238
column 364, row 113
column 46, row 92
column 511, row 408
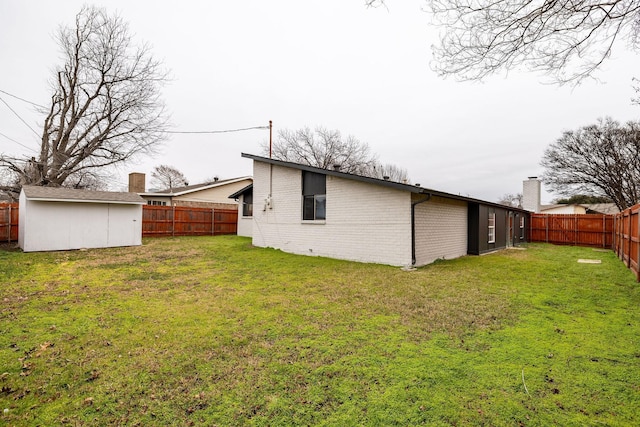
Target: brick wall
column 441, row 230
column 364, row 222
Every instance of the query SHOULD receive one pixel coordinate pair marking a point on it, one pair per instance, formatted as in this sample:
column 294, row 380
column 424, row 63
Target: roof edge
column 376, row 181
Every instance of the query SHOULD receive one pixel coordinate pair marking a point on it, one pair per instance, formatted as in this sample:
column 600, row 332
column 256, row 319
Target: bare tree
column 105, row 108
column 601, row 159
column 388, row 172
column 512, row 200
column 168, row 177
column 565, row 39
column 324, row 149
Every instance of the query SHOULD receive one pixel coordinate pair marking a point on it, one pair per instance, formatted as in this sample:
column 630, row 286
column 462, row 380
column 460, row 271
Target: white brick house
column 306, row 210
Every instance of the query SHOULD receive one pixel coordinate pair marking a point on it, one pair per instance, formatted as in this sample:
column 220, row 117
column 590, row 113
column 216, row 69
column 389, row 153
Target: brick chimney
column 136, row 182
column 531, row 190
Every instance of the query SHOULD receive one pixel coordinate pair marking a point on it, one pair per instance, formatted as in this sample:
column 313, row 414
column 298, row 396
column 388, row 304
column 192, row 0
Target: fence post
column 173, row 220
column 546, row 226
column 9, row 228
column 213, row 221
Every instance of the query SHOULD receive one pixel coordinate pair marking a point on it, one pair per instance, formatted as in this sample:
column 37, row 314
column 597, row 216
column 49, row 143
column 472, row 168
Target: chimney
column 136, row 182
column 531, row 194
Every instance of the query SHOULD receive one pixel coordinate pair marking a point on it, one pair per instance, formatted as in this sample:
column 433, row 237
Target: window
column 522, row 227
column 247, row 204
column 492, row 227
column 156, row 203
column 314, row 198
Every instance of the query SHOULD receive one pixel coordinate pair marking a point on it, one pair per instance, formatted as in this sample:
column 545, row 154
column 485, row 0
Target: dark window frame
column 314, row 196
column 247, row 207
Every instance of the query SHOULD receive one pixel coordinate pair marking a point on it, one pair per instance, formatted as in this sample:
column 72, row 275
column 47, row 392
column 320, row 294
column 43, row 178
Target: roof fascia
column 381, row 182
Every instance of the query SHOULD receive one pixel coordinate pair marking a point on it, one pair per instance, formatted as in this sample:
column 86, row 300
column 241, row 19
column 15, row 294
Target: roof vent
column 337, row 167
column 215, row 179
column 386, row 178
column 417, row 184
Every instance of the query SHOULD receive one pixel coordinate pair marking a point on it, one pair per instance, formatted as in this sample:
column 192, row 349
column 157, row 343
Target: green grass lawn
column 211, row 331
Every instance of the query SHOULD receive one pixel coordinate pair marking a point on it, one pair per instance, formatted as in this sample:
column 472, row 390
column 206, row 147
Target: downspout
column 413, row 226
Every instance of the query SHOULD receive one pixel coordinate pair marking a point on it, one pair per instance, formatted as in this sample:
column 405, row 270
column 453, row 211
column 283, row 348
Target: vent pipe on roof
column 337, row 167
column 386, row 178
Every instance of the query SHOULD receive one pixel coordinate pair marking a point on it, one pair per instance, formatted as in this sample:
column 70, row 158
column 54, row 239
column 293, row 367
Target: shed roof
column 397, row 185
column 61, row 194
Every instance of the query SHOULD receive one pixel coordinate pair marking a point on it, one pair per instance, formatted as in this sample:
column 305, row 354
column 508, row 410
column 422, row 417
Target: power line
column 19, row 143
column 22, row 99
column 18, row 116
column 218, row 131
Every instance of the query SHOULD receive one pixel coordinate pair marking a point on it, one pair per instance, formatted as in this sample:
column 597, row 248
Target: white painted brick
column 365, row 222
column 441, row 230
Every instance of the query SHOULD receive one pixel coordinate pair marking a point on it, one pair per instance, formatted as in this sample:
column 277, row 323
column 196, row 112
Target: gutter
column 413, row 226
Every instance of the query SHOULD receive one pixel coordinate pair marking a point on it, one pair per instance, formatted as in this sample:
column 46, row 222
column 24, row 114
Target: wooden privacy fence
column 626, row 239
column 162, row 221
column 8, row 222
column 569, row 229
column 157, row 221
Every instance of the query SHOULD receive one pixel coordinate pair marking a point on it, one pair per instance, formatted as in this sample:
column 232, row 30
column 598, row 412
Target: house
column 244, row 198
column 214, row 194
column 563, row 208
column 63, row 218
column 580, row 209
column 532, row 188
column 307, row 210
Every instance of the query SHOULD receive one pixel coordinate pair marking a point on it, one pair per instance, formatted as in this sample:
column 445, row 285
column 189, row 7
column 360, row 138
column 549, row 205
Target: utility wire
column 21, row 99
column 19, row 143
column 18, row 116
column 219, row 131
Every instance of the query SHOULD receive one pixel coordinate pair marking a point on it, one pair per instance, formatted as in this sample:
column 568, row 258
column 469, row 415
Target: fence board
column 158, row 221
column 627, row 238
column 572, row 229
column 8, row 222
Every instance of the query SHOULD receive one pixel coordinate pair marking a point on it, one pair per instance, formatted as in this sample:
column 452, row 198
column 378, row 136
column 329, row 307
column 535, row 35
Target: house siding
column 364, row 222
column 216, row 195
column 505, row 219
column 49, row 226
column 441, row 229
column 245, row 223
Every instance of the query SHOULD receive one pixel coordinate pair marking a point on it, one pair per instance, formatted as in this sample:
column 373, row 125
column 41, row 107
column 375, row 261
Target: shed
column 63, row 218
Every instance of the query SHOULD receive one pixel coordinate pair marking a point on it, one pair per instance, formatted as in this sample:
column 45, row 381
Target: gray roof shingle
column 71, row 194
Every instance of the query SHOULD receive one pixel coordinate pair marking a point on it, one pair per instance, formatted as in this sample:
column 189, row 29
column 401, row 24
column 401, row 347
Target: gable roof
column 600, row 208
column 61, row 194
column 390, row 184
column 241, row 191
column 179, row 191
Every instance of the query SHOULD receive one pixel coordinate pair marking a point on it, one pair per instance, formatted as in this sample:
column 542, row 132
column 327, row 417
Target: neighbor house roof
column 385, row 183
column 602, row 208
column 241, row 191
column 179, row 191
column 61, row 194
column 599, row 208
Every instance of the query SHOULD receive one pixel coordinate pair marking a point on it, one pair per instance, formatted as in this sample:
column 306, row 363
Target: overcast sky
column 334, row 63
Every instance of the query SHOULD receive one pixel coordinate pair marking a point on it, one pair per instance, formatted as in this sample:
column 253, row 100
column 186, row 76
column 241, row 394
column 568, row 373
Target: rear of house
column 306, row 210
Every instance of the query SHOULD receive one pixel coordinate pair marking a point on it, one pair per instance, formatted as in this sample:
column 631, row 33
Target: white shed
column 62, row 218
